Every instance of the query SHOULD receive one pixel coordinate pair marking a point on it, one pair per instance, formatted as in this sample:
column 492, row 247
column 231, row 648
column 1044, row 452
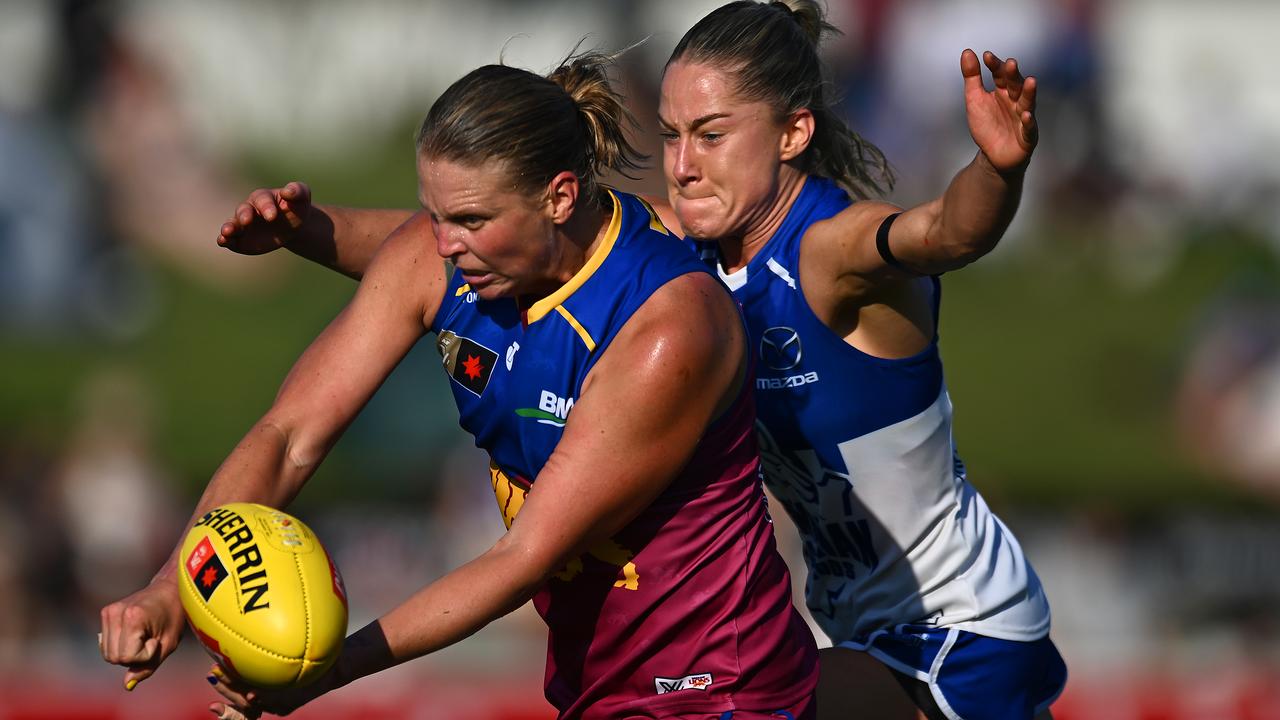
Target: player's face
column 499, row 238
column 721, row 153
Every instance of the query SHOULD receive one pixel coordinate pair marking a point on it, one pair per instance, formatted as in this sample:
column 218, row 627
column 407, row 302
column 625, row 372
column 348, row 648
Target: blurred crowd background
column 1115, row 363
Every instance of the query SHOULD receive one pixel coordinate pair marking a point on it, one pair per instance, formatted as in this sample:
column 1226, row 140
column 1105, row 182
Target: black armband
column 882, row 244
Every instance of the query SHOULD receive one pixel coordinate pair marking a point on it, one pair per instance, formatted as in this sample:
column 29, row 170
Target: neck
column 580, row 237
column 738, row 250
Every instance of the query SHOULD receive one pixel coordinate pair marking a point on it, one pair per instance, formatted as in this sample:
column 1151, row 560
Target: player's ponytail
column 810, row 17
column 538, row 126
column 606, row 120
column 771, row 52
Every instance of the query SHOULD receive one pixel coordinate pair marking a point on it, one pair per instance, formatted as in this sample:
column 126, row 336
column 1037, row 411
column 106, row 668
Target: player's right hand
column 141, row 630
column 268, row 219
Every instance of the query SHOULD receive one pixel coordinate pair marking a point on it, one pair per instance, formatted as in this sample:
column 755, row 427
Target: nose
column 448, row 244
column 682, row 165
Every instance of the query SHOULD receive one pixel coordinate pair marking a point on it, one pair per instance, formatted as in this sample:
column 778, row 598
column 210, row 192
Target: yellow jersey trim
column 582, row 332
column 539, row 309
column 655, row 223
column 463, row 290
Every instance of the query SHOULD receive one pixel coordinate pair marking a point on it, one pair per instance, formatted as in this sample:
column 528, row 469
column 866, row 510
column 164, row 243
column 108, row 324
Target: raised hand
column 267, row 220
column 1002, row 121
column 140, row 631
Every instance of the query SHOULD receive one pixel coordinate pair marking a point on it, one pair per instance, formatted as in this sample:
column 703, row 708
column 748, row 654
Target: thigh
column 853, row 685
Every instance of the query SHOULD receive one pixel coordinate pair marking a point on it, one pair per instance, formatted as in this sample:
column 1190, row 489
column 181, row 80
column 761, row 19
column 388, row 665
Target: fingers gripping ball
column 263, row 596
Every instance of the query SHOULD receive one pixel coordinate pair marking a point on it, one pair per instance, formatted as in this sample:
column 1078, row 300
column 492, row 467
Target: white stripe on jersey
column 941, row 556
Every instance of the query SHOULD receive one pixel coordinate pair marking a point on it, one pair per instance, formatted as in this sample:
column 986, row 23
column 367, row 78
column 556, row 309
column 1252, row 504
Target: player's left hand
column 243, row 702
column 267, row 220
column 1002, row 121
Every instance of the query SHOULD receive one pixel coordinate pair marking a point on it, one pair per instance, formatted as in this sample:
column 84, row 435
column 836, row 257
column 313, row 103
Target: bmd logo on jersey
column 468, row 362
column 780, row 348
column 552, row 409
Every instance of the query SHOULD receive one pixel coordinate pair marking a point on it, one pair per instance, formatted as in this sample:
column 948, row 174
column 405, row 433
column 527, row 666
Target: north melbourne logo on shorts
column 701, row 681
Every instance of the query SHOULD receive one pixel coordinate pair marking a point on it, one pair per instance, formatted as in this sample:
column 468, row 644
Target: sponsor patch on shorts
column 699, row 681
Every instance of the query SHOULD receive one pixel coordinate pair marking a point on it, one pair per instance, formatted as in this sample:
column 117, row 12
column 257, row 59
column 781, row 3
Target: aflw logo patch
column 206, row 569
column 468, row 362
column 701, row 681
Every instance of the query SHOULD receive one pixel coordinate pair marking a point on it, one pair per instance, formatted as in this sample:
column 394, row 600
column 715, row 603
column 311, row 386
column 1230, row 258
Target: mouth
column 476, row 278
column 695, row 199
column 696, row 209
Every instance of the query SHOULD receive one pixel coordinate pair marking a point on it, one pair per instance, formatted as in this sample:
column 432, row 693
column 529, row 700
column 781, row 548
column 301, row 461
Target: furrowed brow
column 699, row 122
column 706, row 119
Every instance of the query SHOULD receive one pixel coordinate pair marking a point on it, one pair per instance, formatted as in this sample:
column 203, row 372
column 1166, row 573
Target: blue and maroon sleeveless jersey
column 687, row 608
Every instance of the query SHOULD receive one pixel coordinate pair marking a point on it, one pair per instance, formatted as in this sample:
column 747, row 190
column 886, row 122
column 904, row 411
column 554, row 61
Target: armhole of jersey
column 445, row 298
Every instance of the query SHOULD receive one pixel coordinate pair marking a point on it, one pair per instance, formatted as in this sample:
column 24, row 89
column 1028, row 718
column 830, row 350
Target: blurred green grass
column 1062, row 379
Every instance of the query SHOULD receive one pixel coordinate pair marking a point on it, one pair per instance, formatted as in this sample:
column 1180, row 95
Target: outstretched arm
column 969, row 218
column 322, row 393
column 342, row 239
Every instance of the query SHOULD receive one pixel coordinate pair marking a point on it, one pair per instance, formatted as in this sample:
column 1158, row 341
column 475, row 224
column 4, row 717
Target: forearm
column 345, row 239
column 442, row 613
column 258, row 470
column 974, row 211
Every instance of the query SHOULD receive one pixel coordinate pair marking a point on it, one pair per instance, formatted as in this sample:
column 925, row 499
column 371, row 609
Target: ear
column 797, row 133
column 562, row 196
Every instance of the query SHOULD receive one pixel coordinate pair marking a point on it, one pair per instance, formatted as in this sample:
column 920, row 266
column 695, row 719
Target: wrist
column 1010, row 174
column 313, row 238
column 297, row 235
column 166, row 578
column 365, row 652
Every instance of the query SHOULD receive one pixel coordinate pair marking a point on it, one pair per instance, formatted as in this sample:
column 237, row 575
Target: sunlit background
column 1115, row 363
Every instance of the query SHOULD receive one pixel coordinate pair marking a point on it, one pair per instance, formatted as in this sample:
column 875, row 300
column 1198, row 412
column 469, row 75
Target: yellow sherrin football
column 262, row 595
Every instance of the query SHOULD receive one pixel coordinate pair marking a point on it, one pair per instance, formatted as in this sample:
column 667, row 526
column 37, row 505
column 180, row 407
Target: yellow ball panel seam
column 306, row 615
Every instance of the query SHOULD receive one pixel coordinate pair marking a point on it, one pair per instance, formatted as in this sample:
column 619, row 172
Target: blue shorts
column 971, row 676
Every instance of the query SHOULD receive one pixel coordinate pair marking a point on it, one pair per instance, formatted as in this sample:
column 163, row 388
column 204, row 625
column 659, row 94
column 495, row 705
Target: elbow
column 958, row 248
column 530, row 564
column 970, row 251
column 298, row 454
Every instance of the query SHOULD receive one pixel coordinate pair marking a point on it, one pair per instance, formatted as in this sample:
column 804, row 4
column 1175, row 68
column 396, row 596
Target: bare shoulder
column 680, row 334
column 839, row 262
column 845, row 243
column 406, row 269
column 695, row 305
